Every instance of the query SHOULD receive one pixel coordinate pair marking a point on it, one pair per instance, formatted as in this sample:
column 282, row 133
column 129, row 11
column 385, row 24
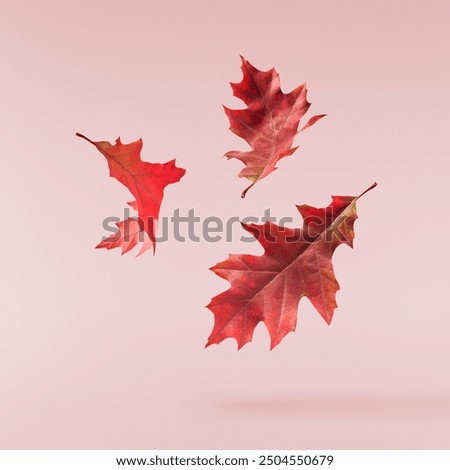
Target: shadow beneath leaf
column 338, row 404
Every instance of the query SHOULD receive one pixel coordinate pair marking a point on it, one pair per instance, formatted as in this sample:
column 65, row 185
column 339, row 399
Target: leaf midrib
column 273, row 155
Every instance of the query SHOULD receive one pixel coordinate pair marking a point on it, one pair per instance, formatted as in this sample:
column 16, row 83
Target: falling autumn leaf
column 269, row 123
column 146, row 182
column 296, row 263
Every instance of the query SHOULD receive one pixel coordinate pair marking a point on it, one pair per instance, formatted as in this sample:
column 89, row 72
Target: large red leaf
column 296, row 263
column 269, row 123
column 146, row 181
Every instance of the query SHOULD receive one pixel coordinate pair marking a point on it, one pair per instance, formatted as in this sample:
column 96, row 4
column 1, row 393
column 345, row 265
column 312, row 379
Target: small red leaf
column 146, row 181
column 296, row 263
column 268, row 124
column 127, row 237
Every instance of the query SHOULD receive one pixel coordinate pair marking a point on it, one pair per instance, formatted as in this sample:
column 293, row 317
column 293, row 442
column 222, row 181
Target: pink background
column 103, row 351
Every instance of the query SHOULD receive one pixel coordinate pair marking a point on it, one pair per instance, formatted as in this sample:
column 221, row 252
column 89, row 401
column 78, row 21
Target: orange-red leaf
column 146, row 181
column 269, row 123
column 296, row 263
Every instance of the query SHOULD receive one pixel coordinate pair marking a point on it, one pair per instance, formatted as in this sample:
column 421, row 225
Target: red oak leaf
column 296, row 263
column 146, row 181
column 269, row 123
column 128, row 235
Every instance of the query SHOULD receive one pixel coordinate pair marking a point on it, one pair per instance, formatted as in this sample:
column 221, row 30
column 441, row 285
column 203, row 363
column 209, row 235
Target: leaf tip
column 312, row 121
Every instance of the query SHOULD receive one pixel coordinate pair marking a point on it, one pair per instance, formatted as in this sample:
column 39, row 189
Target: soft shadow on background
column 338, row 420
column 338, row 405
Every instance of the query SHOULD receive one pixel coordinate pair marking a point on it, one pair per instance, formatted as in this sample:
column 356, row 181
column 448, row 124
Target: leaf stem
column 246, row 189
column 85, row 138
column 366, row 191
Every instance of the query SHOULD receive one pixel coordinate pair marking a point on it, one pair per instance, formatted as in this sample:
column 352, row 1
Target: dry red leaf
column 296, row 263
column 269, row 123
column 146, row 181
